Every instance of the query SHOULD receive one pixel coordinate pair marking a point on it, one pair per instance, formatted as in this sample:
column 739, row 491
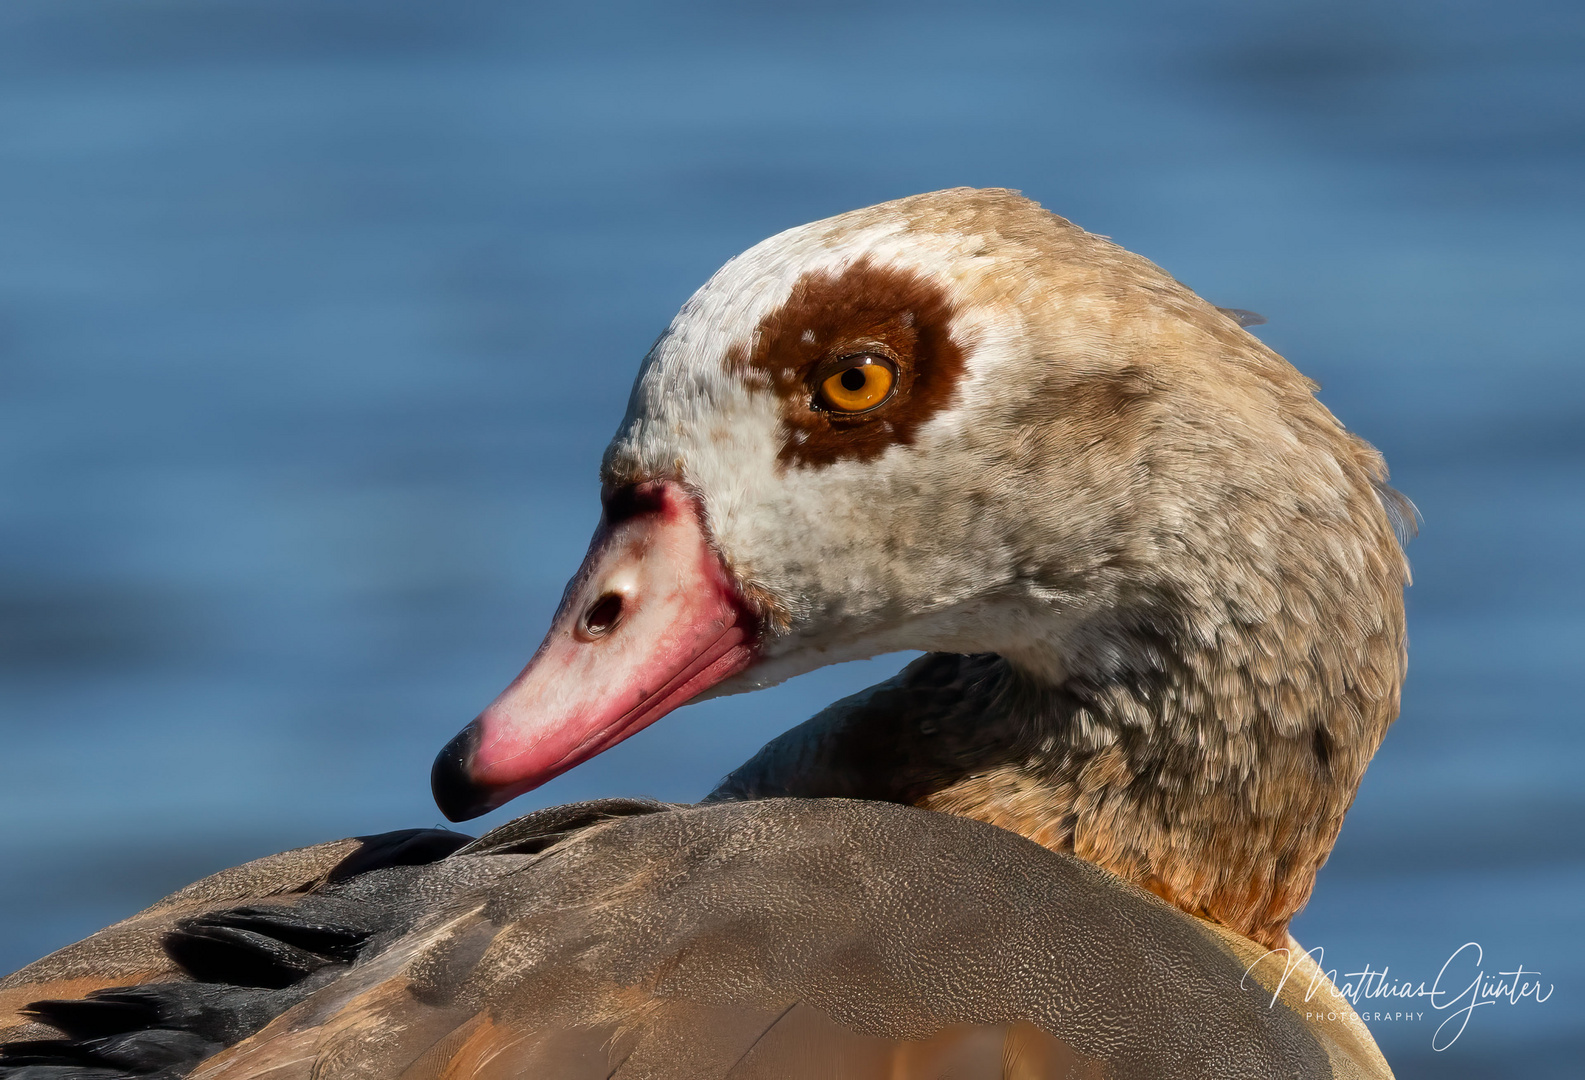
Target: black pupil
column 854, row 379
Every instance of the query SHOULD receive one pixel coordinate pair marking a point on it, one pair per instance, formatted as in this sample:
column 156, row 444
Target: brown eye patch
column 897, row 318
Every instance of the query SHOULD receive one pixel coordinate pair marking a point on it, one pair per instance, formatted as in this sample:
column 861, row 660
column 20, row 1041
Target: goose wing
column 777, row 938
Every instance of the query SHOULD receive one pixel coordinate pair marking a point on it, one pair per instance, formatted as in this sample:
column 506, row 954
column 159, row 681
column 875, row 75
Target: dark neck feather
column 1224, row 806
column 942, row 718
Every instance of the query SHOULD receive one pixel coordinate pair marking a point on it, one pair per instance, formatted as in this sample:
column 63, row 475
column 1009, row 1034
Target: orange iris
column 859, row 387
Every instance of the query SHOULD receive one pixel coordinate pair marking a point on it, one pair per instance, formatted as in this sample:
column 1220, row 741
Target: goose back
column 774, row 938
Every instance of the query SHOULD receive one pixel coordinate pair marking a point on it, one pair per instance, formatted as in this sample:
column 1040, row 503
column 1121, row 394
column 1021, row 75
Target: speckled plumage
column 1187, row 560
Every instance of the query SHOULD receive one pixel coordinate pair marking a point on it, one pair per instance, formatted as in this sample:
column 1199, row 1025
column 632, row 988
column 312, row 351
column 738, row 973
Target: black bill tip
column 456, row 793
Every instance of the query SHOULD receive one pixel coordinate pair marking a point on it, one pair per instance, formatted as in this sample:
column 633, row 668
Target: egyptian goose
column 1160, row 591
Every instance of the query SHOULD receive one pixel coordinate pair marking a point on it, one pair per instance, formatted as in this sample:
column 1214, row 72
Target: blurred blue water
column 315, row 315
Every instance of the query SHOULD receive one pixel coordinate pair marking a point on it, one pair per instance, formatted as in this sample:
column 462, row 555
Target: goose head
column 1163, row 578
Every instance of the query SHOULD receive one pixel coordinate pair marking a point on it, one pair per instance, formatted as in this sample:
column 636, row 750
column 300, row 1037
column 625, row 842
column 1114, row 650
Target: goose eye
column 864, row 383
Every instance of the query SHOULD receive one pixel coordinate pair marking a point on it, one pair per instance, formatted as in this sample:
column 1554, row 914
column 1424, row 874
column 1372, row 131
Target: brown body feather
column 763, row 939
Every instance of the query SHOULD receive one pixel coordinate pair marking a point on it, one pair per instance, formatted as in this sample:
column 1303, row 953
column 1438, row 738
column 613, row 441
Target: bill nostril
column 602, row 616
